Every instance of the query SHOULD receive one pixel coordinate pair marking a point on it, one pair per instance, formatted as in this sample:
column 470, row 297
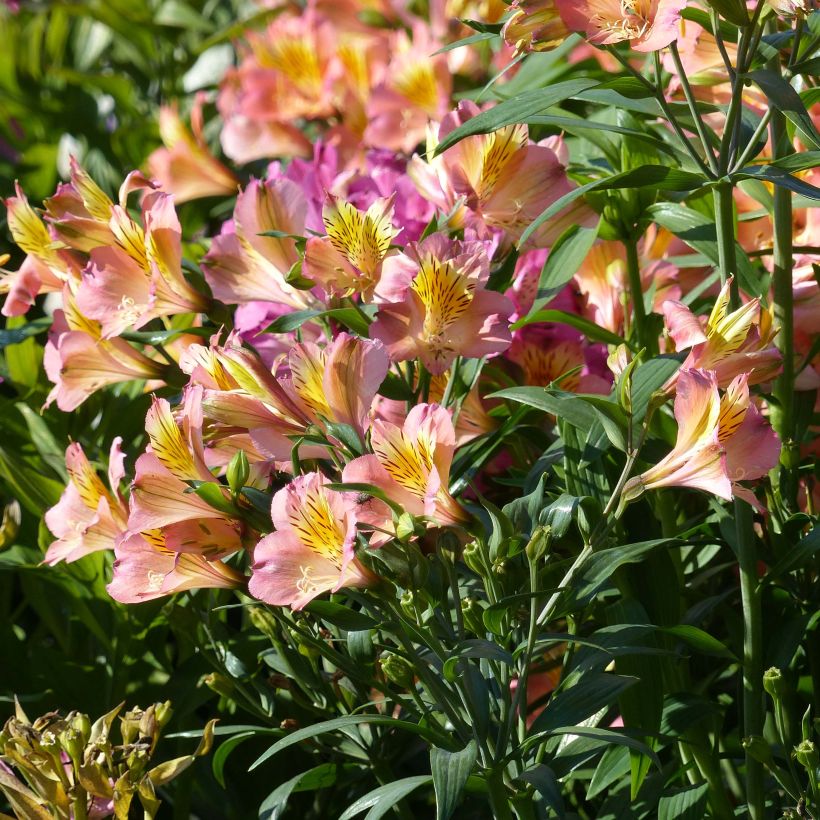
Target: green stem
column 753, row 705
column 690, row 99
column 725, row 227
column 633, row 271
column 783, row 414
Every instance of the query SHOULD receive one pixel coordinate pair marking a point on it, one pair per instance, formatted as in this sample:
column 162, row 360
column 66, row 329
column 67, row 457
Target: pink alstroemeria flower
column 128, row 284
column 721, row 441
column 89, row 516
column 499, row 181
column 411, row 466
column 145, row 569
column 312, row 550
column 44, row 270
column 433, row 304
column 185, row 166
column 729, row 343
column 79, row 361
column 649, row 25
column 349, row 259
column 243, row 265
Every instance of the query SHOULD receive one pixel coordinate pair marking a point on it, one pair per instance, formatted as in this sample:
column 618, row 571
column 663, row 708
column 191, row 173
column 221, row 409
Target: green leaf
column 159, row 337
column 659, row 177
column 797, row 162
column 805, row 549
column 515, row 110
column 593, row 332
column 341, row 616
column 564, row 259
column 351, row 318
column 684, row 804
column 547, row 785
column 381, row 800
column 785, row 99
column 567, row 406
column 33, row 490
column 700, row 640
column 474, row 648
column 467, row 41
column 17, row 331
column 778, row 176
column 450, row 772
column 222, row 754
column 338, row 724
column 24, row 357
column 320, row 777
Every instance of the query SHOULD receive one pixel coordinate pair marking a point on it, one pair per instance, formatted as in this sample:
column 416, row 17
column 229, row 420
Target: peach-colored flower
column 349, row 259
column 185, row 166
column 312, row 550
column 649, row 25
column 89, row 516
column 433, row 304
column 534, row 25
column 721, row 441
column 411, row 466
column 730, row 343
column 498, row 181
column 243, row 264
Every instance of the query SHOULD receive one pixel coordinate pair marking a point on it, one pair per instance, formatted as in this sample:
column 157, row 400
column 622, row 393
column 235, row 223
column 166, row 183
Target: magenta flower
column 433, row 304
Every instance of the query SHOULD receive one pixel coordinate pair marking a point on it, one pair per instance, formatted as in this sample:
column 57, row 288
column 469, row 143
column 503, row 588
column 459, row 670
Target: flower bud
column 163, row 712
column 472, row 557
column 539, row 544
column 774, row 683
column 534, row 25
column 238, row 471
column 408, row 603
column 265, row 622
column 218, row 683
column 406, row 527
column 72, row 742
column 807, row 756
column 397, row 670
column 473, row 612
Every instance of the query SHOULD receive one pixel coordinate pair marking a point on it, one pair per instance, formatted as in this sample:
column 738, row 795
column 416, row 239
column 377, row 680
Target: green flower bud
column 539, row 544
column 265, row 622
column 472, row 557
column 408, row 603
column 218, row 683
column 807, row 756
column 398, row 670
column 163, row 712
column 774, row 683
column 238, row 471
column 472, row 612
column 82, row 725
column 72, row 743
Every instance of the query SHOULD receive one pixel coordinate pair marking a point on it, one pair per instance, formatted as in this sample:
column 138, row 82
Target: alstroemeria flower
column 498, row 181
column 185, row 166
column 139, row 279
column 433, row 304
column 339, row 382
column 411, row 466
column 730, row 344
column 721, row 441
column 79, row 361
column 349, row 259
column 312, row 550
column 243, row 265
column 145, row 569
column 89, row 516
column 44, row 270
column 649, row 25
column 534, row 25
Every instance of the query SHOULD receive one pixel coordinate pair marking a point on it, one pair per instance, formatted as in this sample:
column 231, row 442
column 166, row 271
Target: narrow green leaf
column 778, row 176
column 515, row 110
column 685, row 804
column 381, row 800
column 593, row 332
column 450, row 772
column 785, row 99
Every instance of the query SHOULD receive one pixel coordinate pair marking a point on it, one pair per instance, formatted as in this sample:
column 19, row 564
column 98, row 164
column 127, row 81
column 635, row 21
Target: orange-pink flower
column 649, row 25
column 722, row 440
column 312, row 550
column 434, row 305
column 89, row 516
